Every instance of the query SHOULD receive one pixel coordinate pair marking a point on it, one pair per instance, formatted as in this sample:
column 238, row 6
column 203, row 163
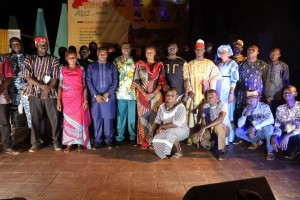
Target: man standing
column 102, row 80
column 126, row 99
column 237, row 51
column 287, row 124
column 253, row 76
column 216, row 117
column 256, row 123
column 41, row 73
column 279, row 79
column 203, row 74
column 6, row 76
column 16, row 58
column 174, row 74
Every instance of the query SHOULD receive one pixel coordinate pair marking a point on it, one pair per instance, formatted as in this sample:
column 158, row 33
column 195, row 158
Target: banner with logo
column 141, row 22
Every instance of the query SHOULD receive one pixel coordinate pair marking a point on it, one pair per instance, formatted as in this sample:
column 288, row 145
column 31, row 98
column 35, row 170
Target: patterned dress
column 148, row 77
column 76, row 120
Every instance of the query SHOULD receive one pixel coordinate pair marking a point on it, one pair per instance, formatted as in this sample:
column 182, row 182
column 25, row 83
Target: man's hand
column 99, row 99
column 160, row 129
column 284, row 142
column 200, row 134
column 252, row 132
column 274, row 142
column 45, row 94
column 149, row 96
column 44, row 87
column 191, row 94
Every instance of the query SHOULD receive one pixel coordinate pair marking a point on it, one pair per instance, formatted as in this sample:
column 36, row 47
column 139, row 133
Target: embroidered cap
column 199, row 43
column 41, row 39
column 240, row 42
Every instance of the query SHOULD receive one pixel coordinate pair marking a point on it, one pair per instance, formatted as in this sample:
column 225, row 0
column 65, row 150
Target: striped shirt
column 38, row 68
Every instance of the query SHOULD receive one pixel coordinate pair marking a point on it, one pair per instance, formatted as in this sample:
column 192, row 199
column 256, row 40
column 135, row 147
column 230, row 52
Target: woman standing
column 230, row 75
column 72, row 100
column 148, row 81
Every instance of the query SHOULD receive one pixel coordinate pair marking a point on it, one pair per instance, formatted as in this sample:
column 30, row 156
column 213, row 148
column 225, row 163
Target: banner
column 141, row 22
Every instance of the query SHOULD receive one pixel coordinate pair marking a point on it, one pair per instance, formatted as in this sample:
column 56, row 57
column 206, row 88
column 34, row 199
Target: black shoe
column 97, row 146
column 133, row 142
column 237, row 141
column 120, row 143
column 110, row 145
column 292, row 155
column 223, row 155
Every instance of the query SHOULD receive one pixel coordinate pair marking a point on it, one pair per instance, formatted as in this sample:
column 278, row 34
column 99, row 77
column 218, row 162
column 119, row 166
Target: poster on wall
column 141, row 22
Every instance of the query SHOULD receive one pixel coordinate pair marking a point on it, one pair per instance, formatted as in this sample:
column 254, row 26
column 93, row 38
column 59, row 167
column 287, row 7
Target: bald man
column 287, row 124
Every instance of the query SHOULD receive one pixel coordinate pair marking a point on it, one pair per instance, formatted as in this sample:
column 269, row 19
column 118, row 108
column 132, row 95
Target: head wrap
column 240, row 42
column 226, row 48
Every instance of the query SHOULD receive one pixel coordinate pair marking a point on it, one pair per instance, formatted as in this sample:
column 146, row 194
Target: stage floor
column 128, row 172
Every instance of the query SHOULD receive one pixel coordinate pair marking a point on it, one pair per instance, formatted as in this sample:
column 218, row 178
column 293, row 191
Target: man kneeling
column 215, row 117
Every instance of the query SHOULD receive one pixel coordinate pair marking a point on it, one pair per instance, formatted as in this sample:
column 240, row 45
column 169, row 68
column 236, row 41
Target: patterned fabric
column 76, row 120
column 279, row 79
column 6, row 71
column 148, row 78
column 126, row 72
column 230, row 74
column 164, row 141
column 174, row 74
column 284, row 119
column 16, row 86
column 198, row 71
column 253, row 76
column 38, row 67
column 239, row 58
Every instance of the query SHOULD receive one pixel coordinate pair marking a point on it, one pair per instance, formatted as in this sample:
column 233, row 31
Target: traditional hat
column 240, row 42
column 226, row 48
column 41, row 39
column 199, row 43
column 252, row 94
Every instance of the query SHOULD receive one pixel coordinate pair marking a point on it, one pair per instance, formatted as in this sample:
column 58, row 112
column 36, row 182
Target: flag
column 62, row 32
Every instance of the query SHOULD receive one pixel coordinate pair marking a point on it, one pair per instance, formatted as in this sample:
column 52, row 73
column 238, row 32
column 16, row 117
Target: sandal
column 79, row 148
column 176, row 155
column 68, row 149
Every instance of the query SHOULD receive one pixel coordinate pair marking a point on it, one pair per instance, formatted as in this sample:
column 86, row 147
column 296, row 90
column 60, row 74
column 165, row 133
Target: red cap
column 199, row 43
column 41, row 39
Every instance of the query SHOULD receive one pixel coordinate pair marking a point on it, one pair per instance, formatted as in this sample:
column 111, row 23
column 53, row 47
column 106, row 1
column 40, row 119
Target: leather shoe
column 291, row 155
column 270, row 156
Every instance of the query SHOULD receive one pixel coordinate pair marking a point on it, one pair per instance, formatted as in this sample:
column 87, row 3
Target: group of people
column 159, row 103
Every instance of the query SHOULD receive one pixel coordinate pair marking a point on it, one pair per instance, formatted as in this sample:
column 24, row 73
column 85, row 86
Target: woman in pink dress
column 72, row 100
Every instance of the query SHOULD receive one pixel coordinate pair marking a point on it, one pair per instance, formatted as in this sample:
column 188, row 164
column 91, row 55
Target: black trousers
column 5, row 126
column 38, row 107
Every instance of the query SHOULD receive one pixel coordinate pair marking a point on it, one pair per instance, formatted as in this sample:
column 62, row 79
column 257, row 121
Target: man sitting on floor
column 255, row 124
column 216, row 117
column 288, row 122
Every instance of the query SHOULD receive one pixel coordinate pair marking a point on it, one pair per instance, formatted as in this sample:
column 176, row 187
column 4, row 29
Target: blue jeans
column 261, row 134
